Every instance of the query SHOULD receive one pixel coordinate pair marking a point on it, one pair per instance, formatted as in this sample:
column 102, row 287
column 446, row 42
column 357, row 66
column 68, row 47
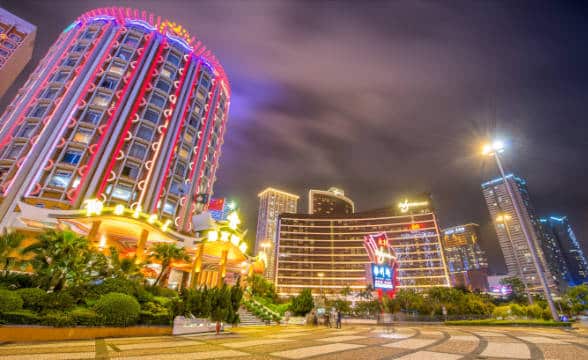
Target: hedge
column 9, row 301
column 118, row 309
column 58, row 319
column 33, row 298
column 21, row 317
column 492, row 322
column 149, row 318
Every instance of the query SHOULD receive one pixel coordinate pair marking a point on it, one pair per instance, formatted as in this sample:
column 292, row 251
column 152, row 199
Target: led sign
column 405, row 206
column 383, row 277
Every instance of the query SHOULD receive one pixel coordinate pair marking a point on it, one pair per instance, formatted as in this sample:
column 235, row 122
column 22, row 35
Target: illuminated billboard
column 383, row 267
column 383, row 277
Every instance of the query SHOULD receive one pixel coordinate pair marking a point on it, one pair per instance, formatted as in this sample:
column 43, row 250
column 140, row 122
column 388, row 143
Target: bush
column 57, row 319
column 501, row 312
column 86, row 317
column 21, row 317
column 33, row 298
column 116, row 285
column 149, row 318
column 492, row 322
column 17, row 281
column 162, row 291
column 60, row 300
column 303, row 303
column 517, row 310
column 118, row 309
column 534, row 311
column 9, row 301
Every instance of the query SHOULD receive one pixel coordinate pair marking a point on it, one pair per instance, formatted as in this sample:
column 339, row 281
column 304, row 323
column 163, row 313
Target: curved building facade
column 125, row 107
column 328, row 253
column 329, row 202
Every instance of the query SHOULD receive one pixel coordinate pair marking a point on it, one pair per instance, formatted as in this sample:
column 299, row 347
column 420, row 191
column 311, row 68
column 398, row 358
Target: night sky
column 388, row 99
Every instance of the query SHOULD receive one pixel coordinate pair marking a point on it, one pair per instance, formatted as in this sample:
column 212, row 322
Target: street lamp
column 504, row 218
column 495, row 149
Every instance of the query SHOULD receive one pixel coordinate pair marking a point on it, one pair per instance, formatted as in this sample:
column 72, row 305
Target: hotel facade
column 117, row 134
column 326, row 253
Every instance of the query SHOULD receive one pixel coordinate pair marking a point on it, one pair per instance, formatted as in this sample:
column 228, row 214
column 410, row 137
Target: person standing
column 338, row 319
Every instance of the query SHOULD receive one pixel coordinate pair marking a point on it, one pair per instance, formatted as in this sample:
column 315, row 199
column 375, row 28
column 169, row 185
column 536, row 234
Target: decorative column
column 93, row 234
column 222, row 271
column 197, row 267
column 140, row 252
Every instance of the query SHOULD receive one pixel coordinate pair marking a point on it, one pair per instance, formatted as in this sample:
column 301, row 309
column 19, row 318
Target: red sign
column 216, row 204
column 384, row 266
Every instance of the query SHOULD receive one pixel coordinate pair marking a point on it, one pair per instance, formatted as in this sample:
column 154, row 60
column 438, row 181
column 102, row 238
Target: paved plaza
column 352, row 342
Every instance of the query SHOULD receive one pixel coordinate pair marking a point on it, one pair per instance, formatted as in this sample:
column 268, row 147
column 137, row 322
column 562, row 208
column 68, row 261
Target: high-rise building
column 326, row 253
column 17, row 39
column 125, row 107
column 560, row 233
column 508, row 226
column 466, row 261
column 272, row 203
column 329, row 202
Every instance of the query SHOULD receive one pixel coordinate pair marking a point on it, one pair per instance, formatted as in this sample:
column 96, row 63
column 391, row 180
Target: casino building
column 326, row 253
column 117, row 135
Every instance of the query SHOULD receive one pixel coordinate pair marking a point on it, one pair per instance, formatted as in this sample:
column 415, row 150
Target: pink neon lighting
column 217, row 153
column 193, row 85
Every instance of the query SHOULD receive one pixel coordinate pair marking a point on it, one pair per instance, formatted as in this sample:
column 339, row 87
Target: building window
column 151, row 115
column 76, row 182
column 131, row 40
column 193, row 121
column 60, row 179
column 101, row 100
column 138, row 151
column 3, row 52
column 200, row 95
column 158, row 100
column 169, row 208
column 14, row 151
column 89, row 34
column 38, row 111
column 83, row 136
column 188, row 137
column 176, row 188
column 123, row 192
column 15, row 37
column 3, row 172
column 145, row 133
column 79, row 48
column 92, row 117
column 180, row 170
column 124, row 54
column 70, row 61
column 183, row 153
column 173, row 58
column 72, row 157
column 163, row 85
column 168, row 73
column 130, row 170
column 109, row 82
column 117, row 68
column 50, row 93
column 8, row 45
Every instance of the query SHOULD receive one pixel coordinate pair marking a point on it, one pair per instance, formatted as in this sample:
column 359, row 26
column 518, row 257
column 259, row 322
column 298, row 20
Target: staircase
column 247, row 318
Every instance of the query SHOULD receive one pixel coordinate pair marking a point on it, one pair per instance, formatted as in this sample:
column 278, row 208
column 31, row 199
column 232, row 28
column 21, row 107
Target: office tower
column 272, row 203
column 17, row 40
column 511, row 238
column 126, row 108
column 466, row 261
column 329, row 202
column 560, row 232
column 326, row 253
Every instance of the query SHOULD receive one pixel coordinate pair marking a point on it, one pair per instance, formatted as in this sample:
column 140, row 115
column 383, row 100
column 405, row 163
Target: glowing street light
column 495, row 149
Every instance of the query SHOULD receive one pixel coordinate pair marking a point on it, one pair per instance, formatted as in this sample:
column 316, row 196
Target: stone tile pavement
column 296, row 342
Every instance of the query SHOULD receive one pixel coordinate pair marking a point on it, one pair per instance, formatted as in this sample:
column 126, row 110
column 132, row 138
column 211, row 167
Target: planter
column 11, row 333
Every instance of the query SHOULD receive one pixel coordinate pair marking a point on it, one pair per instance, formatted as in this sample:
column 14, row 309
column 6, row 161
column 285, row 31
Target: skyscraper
column 126, row 108
column 466, row 261
column 330, row 202
column 560, row 232
column 17, row 39
column 511, row 238
column 272, row 203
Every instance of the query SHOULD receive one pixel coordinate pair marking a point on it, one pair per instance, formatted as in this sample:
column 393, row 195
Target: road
column 352, row 342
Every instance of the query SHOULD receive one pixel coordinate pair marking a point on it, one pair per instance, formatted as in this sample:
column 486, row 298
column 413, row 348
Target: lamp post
column 495, row 149
column 504, row 218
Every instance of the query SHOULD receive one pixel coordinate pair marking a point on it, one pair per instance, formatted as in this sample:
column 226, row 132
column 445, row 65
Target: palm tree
column 9, row 243
column 346, row 291
column 62, row 258
column 166, row 253
column 122, row 267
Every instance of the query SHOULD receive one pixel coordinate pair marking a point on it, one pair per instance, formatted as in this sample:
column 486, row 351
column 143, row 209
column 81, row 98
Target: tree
column 367, row 293
column 259, row 286
column 518, row 289
column 577, row 298
column 62, row 258
column 122, row 267
column 220, row 305
column 303, row 303
column 9, row 243
column 166, row 253
column 346, row 291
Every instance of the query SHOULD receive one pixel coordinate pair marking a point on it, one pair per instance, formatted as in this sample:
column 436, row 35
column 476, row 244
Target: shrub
column 86, row 317
column 303, row 303
column 118, row 309
column 153, row 307
column 33, row 298
column 535, row 311
column 57, row 319
column 116, row 285
column 60, row 300
column 9, row 301
column 15, row 280
column 501, row 312
column 149, row 318
column 21, row 317
column 517, row 310
column 162, row 291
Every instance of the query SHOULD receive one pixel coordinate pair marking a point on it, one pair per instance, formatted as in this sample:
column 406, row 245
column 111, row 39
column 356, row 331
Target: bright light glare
column 497, row 146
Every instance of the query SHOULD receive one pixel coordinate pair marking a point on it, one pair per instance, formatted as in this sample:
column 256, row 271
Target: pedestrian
column 287, row 317
column 338, row 319
column 334, row 315
column 314, row 319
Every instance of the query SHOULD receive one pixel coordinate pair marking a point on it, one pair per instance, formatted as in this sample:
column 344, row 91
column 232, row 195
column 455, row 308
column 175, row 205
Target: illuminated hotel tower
column 515, row 249
column 17, row 39
column 125, row 107
column 272, row 203
column 331, row 202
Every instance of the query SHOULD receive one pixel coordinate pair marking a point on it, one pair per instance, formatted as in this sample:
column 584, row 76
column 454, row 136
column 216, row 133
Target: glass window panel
column 169, row 208
column 124, row 54
column 123, row 192
column 158, row 100
column 138, row 151
column 92, row 117
column 71, row 157
column 145, row 133
column 60, row 179
column 83, row 136
column 14, row 151
column 151, row 115
column 130, row 170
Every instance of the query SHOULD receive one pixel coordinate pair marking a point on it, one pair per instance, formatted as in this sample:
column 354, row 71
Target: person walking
column 338, row 319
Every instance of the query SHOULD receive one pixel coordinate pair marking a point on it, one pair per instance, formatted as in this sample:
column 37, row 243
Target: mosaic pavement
column 352, row 342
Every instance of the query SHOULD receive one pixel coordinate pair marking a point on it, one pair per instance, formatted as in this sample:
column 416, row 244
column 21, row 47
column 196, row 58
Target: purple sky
column 385, row 99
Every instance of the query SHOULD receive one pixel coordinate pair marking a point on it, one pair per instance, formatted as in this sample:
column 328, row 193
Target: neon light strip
column 221, row 136
column 164, row 131
column 134, row 110
column 114, row 111
column 193, row 85
column 44, row 123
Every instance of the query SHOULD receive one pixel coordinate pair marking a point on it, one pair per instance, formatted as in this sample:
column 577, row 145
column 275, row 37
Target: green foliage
column 492, row 322
column 162, row 291
column 196, row 302
column 518, row 289
column 517, row 310
column 33, row 298
column 118, row 309
column 124, row 268
column 577, row 297
column 117, row 285
column 9, row 244
column 9, row 301
column 17, row 281
column 166, row 253
column 60, row 300
column 341, row 305
column 367, row 308
column 57, row 319
column 261, row 287
column 21, row 317
column 501, row 312
column 85, row 317
column 277, row 308
column 534, row 311
column 220, row 303
column 150, row 318
column 303, row 303
column 62, row 258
